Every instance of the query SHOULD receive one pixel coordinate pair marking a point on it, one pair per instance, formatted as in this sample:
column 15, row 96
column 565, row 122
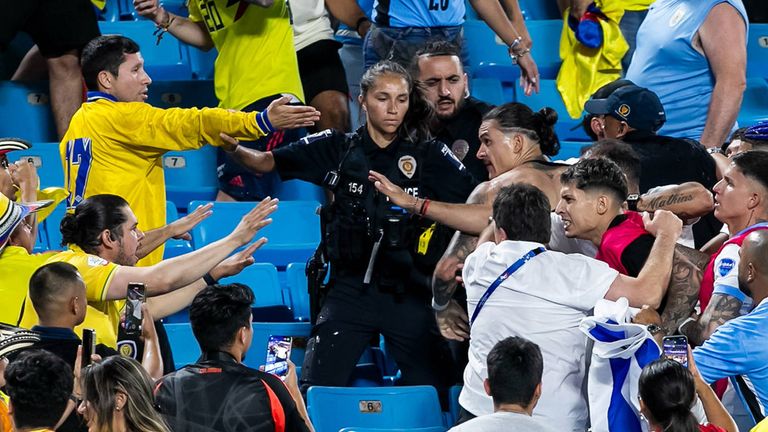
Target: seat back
column 293, row 234
column 334, row 408
column 25, row 110
column 297, row 288
column 47, row 160
column 757, row 51
column 190, row 175
column 263, row 280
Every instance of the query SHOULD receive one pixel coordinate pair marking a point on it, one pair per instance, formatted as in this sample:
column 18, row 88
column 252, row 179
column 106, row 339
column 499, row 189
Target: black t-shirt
column 443, row 177
column 635, row 254
column 464, row 126
column 219, row 394
column 666, row 160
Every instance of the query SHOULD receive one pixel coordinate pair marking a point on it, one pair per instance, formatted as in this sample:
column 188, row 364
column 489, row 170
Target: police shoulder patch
column 316, row 136
column 726, row 266
column 127, row 348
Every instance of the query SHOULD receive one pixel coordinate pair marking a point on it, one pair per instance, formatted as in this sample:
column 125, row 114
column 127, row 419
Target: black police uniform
column 463, row 127
column 395, row 300
column 667, row 160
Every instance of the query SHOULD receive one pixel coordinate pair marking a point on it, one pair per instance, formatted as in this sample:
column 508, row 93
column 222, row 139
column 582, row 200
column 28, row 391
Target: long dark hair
column 91, row 217
column 415, row 126
column 537, row 126
column 668, row 391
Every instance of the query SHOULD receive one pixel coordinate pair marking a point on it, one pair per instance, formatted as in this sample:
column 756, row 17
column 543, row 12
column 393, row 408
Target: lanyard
column 507, row 273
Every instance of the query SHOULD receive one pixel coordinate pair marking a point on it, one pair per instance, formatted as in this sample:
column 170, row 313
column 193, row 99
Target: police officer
column 381, row 257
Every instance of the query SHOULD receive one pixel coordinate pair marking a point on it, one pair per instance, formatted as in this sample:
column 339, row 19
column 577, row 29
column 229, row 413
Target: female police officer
column 381, row 257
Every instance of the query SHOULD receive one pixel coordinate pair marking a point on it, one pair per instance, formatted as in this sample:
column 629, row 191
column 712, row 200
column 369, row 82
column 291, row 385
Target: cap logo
column 623, row 110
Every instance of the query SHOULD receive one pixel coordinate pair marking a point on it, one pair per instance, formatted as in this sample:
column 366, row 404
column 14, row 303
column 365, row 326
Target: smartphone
column 676, row 348
column 89, row 345
column 133, row 301
column 278, row 353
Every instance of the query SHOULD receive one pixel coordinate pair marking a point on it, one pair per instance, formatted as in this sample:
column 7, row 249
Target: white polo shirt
column 543, row 301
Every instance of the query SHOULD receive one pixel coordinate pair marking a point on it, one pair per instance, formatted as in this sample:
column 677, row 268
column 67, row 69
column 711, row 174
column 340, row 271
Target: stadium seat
column 293, row 234
column 263, row 280
column 539, row 10
column 186, row 350
column 25, row 110
column 334, row 408
column 299, row 190
column 754, row 106
column 570, row 149
column 757, row 51
column 488, row 90
column 190, row 175
column 168, row 60
column 52, row 226
column 182, row 94
column 174, row 247
column 297, row 288
column 453, row 404
column 489, row 56
column 566, row 128
column 257, row 353
column 202, row 62
column 46, row 158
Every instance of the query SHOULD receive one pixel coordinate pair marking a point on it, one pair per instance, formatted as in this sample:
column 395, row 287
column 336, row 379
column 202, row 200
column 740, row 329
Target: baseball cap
column 12, row 213
column 639, row 107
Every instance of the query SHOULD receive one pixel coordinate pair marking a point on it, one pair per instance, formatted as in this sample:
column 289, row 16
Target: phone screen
column 278, row 353
column 89, row 346
column 676, row 348
column 133, row 302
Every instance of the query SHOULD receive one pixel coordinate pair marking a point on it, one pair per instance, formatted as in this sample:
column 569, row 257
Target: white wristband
column 439, row 308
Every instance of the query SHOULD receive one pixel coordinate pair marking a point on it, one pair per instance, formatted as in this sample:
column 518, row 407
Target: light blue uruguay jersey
column 739, row 347
column 419, row 13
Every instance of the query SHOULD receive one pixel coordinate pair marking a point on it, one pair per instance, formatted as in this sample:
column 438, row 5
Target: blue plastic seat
column 263, row 280
column 202, row 62
column 168, row 60
column 570, row 149
column 757, row 51
column 293, row 234
column 754, row 106
column 182, row 94
column 25, row 110
column 186, row 350
column 174, row 247
column 299, row 190
column 297, row 287
column 334, row 408
column 454, row 408
column 190, row 175
column 489, row 90
column 46, row 158
column 539, row 10
column 567, row 128
column 489, row 56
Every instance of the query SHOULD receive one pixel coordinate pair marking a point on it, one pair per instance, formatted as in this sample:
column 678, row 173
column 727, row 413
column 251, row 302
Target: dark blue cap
column 639, row 107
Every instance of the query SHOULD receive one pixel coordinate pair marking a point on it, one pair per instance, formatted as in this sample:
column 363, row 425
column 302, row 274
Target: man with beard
column 443, row 82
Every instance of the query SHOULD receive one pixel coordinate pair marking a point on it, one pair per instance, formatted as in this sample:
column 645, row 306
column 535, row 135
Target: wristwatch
column 654, row 329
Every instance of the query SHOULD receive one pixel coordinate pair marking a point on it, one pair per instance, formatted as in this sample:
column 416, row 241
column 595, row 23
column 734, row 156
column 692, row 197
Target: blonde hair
column 117, row 374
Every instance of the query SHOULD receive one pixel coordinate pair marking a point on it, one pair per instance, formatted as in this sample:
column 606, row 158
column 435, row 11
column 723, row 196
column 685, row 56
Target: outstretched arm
column 186, row 30
column 683, row 291
column 721, row 309
column 687, row 201
column 178, row 228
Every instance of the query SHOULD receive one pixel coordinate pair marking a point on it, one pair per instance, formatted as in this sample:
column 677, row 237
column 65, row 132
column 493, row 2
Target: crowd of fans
column 452, row 230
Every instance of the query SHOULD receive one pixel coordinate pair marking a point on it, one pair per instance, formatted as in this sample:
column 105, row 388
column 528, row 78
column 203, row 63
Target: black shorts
column 243, row 185
column 321, row 69
column 56, row 26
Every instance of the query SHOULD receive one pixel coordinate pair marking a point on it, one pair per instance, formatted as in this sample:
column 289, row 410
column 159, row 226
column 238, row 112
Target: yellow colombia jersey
column 117, row 148
column 102, row 315
column 256, row 53
column 16, row 268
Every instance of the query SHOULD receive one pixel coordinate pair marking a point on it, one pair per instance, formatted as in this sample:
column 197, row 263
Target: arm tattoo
column 697, row 258
column 682, row 294
column 721, row 309
column 444, row 282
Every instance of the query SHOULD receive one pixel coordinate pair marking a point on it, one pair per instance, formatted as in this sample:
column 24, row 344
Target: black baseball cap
column 639, row 107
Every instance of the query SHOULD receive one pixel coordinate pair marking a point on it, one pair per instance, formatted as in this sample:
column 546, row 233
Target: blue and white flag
column 621, row 350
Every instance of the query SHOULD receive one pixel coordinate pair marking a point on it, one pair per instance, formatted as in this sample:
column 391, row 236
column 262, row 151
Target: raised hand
column 253, row 221
column 180, row 228
column 285, row 116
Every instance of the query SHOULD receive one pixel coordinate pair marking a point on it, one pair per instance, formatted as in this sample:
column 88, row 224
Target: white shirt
column 502, row 421
column 559, row 242
column 310, row 22
column 544, row 302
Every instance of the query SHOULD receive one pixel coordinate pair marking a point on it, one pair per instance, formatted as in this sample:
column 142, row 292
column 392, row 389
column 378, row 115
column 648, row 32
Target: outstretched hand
column 395, row 193
column 254, row 220
column 180, row 228
column 453, row 322
column 529, row 74
column 237, row 262
column 285, row 116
